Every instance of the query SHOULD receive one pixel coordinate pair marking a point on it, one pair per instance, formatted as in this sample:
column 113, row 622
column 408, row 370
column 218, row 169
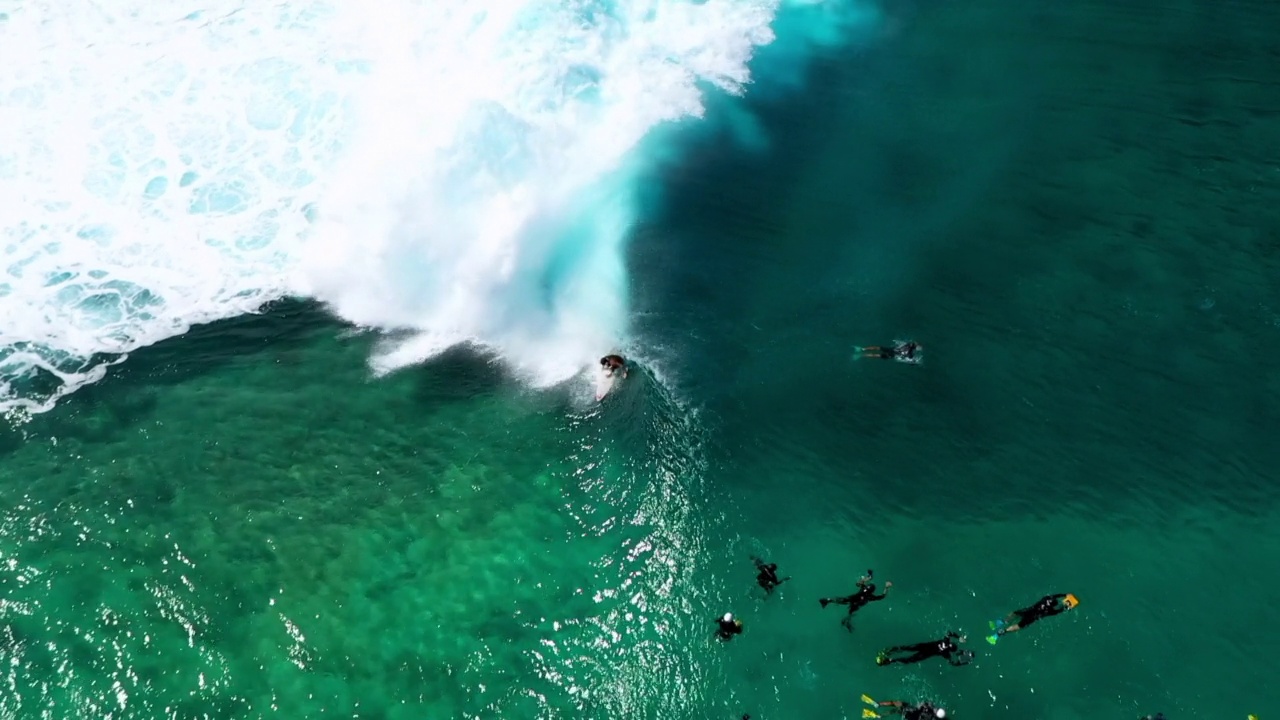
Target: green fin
column 992, row 639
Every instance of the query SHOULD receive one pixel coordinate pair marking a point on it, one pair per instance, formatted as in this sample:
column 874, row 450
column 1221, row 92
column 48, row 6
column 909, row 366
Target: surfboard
column 604, row 383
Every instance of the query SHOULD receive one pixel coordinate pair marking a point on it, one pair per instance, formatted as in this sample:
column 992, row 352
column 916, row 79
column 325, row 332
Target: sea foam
column 460, row 172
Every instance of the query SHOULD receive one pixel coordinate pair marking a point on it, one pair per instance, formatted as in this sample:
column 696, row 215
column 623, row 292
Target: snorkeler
column 923, row 711
column 905, row 351
column 768, row 576
column 729, row 626
column 943, row 648
column 866, row 593
column 611, row 364
column 1047, row 606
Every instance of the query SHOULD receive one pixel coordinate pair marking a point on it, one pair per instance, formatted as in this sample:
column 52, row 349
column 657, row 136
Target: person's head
column 728, row 617
column 604, row 362
column 939, row 713
column 1070, row 601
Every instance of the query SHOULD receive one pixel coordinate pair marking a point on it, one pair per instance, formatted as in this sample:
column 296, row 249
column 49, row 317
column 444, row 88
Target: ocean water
column 327, row 508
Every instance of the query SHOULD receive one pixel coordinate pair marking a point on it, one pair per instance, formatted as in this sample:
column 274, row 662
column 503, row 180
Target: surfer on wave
column 613, row 364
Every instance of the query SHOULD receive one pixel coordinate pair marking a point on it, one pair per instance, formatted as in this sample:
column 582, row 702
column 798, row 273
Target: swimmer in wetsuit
column 866, row 593
column 905, row 351
column 943, row 648
column 613, row 364
column 768, row 576
column 923, row 711
column 729, row 626
column 1047, row 606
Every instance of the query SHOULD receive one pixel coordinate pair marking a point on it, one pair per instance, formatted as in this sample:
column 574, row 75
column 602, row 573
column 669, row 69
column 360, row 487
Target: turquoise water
column 1071, row 206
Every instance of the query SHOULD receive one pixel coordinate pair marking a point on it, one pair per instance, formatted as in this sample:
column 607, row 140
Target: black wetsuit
column 865, row 594
column 923, row 711
column 906, row 351
column 728, row 628
column 943, row 648
column 1047, row 606
column 768, row 576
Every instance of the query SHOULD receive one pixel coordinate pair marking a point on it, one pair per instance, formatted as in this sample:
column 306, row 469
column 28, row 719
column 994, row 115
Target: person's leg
column 919, row 651
column 847, row 622
column 917, row 657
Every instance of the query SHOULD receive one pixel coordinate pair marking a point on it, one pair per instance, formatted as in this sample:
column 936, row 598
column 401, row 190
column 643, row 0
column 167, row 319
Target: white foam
column 161, row 164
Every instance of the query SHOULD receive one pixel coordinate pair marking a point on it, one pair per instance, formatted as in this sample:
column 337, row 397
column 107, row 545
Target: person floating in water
column 768, row 576
column 613, row 364
column 1047, row 606
column 943, row 648
column 729, row 626
column 904, row 351
column 923, row 711
column 866, row 593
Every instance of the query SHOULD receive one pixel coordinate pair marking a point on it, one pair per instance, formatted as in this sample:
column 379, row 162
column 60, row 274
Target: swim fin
column 869, row 713
column 993, row 639
column 867, row 699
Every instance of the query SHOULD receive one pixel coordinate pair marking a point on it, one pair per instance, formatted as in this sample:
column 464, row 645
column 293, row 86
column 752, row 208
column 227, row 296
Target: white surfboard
column 604, row 383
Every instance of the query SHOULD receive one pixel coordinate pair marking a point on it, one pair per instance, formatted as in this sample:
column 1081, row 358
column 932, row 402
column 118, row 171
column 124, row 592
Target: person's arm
column 884, row 594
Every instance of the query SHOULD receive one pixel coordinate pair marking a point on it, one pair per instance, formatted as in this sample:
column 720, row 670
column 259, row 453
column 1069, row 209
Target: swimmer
column 866, row 593
column 768, row 576
column 729, row 626
column 943, row 648
column 923, row 711
column 1047, row 606
column 611, row 364
column 905, row 351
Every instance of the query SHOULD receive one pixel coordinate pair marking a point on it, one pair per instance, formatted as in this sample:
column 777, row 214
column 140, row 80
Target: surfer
column 729, row 626
column 612, row 364
column 943, row 648
column 905, row 351
column 768, row 576
column 866, row 593
column 923, row 711
column 1047, row 606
